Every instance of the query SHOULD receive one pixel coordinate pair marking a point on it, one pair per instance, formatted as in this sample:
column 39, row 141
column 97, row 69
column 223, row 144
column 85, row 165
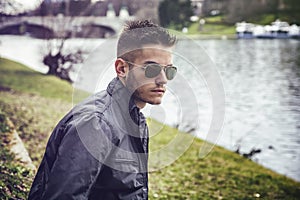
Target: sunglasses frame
column 165, row 68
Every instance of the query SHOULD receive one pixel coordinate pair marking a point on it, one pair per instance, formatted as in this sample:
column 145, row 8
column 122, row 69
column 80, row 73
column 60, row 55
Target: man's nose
column 161, row 78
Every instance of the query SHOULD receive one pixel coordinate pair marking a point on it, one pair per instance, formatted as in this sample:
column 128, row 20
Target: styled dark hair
column 136, row 34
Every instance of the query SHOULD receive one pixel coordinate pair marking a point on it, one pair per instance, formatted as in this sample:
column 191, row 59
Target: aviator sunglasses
column 153, row 69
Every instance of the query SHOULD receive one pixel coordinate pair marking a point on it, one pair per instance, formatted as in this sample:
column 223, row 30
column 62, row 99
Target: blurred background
column 254, row 44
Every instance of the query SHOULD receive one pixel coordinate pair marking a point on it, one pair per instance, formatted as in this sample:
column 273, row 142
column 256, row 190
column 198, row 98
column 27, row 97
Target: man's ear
column 121, row 68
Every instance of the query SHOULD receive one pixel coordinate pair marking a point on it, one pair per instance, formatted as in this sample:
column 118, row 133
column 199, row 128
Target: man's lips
column 158, row 90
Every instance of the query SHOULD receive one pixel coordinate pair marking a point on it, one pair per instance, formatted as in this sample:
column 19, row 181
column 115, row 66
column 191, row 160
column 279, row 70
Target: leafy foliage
column 175, row 13
column 253, row 10
column 292, row 9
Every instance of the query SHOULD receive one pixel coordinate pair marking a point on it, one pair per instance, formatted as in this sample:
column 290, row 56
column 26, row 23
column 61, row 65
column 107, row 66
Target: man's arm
column 85, row 146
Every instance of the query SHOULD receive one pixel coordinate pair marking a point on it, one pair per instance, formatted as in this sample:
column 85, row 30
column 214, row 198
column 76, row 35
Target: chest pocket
column 124, row 164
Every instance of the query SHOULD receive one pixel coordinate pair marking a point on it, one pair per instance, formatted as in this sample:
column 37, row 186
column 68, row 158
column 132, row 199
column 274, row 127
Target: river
column 260, row 80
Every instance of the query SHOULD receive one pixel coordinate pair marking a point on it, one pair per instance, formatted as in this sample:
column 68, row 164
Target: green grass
column 34, row 103
column 212, row 29
column 214, row 26
column 220, row 175
column 214, row 19
column 15, row 180
column 265, row 19
column 34, row 117
column 20, row 78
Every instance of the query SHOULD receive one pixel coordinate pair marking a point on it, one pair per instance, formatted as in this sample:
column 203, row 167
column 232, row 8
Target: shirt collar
column 124, row 98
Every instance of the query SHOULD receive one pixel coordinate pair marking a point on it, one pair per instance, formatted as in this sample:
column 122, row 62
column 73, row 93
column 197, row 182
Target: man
column 100, row 149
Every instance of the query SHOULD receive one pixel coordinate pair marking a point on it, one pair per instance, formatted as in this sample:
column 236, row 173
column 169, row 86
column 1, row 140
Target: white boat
column 244, row 30
column 294, row 31
column 280, row 29
column 277, row 29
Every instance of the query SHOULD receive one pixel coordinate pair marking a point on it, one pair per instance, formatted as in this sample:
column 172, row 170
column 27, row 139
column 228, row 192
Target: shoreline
column 207, row 37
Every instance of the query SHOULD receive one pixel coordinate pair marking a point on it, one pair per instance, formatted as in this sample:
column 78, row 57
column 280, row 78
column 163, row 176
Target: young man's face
column 148, row 90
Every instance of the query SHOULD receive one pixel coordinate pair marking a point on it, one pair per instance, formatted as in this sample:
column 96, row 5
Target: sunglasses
column 153, row 69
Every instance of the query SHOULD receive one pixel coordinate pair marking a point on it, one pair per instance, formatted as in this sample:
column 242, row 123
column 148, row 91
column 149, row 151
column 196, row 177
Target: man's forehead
column 157, row 54
column 156, row 50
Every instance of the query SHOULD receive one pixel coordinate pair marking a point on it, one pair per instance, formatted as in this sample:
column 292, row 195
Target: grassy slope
column 35, row 103
column 15, row 180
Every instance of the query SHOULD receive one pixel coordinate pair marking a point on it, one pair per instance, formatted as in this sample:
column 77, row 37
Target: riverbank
column 35, row 102
column 206, row 37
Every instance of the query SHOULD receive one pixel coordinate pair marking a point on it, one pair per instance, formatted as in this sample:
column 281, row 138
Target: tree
column 292, row 8
column 65, row 7
column 59, row 58
column 17, row 7
column 220, row 6
column 252, row 10
column 59, row 62
column 175, row 13
column 148, row 13
column 243, row 10
column 10, row 7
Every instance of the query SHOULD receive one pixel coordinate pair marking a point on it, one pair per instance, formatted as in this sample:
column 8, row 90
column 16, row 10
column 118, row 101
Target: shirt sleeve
column 85, row 146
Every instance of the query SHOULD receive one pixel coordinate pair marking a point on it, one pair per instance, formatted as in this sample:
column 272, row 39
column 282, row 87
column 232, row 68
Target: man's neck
column 139, row 104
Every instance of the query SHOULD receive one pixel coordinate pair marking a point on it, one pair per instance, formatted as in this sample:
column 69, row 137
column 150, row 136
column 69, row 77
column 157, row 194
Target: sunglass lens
column 152, row 70
column 171, row 72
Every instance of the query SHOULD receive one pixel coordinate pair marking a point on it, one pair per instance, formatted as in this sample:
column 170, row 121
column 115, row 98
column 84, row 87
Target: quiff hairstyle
column 137, row 34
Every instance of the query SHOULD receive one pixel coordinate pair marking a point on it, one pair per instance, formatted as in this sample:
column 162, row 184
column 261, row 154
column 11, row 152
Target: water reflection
column 262, row 79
